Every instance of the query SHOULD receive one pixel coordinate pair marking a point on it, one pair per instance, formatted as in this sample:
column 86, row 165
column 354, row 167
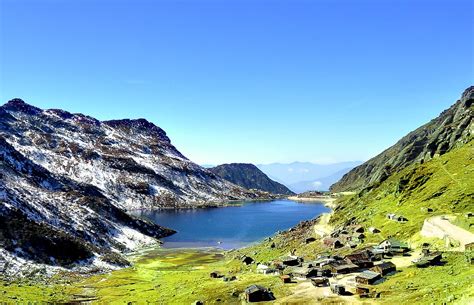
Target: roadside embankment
column 441, row 227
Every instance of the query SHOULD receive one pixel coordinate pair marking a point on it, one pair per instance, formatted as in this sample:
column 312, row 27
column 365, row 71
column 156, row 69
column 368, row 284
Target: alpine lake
column 235, row 226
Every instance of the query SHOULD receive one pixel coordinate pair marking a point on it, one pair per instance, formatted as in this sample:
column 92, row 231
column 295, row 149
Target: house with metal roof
column 368, row 277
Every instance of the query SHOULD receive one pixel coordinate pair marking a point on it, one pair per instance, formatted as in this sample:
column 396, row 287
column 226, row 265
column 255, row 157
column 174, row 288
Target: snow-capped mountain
column 68, row 179
column 53, row 220
column 132, row 162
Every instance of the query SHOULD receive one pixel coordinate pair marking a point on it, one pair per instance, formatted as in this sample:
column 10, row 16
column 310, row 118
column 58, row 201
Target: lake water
column 234, row 226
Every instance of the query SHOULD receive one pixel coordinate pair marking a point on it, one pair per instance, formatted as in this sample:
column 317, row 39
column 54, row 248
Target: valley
column 399, row 229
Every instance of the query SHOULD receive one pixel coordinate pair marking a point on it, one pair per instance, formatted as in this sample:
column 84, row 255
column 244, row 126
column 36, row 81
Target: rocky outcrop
column 53, row 220
column 250, row 177
column 452, row 128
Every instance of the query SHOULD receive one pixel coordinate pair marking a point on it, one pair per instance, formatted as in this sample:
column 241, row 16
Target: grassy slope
column 161, row 276
column 444, row 184
column 450, row 283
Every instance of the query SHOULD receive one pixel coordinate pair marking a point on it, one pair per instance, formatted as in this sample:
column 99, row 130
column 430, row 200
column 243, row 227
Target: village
column 352, row 275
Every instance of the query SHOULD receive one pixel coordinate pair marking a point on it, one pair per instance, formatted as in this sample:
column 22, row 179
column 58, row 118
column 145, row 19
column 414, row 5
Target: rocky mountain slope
column 440, row 186
column 436, row 180
column 132, row 162
column 451, row 129
column 250, row 177
column 68, row 179
column 53, row 220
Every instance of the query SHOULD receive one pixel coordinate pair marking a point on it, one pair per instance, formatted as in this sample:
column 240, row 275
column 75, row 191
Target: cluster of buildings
column 367, row 266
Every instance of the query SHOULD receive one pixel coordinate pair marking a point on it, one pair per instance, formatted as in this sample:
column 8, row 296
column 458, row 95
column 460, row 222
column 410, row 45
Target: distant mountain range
column 306, row 176
column 319, row 184
column 250, row 177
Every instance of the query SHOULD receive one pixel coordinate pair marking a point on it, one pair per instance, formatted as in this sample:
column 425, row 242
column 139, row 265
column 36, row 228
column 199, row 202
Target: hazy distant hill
column 320, row 184
column 250, row 177
column 304, row 176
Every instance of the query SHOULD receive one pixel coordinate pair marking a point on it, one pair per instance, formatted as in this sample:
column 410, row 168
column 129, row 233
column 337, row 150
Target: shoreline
column 210, row 205
column 326, row 200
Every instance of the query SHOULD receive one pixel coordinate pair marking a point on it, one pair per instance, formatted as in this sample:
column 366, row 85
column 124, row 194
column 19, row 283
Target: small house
column 344, row 238
column 368, row 277
column 434, row 257
column 290, row 260
column 361, row 259
column 302, row 272
column 264, row 269
column 401, row 218
column 384, row 268
column 428, row 259
column 277, row 264
column 393, row 245
column 396, row 217
column 377, row 253
column 338, row 289
column 343, row 268
column 320, row 281
column 256, row 293
column 363, row 290
column 285, row 279
column 333, row 243
column 323, row 261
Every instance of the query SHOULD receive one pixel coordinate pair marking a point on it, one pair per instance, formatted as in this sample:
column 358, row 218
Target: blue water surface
column 234, row 226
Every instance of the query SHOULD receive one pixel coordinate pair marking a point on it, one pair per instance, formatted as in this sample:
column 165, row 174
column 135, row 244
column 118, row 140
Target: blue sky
column 245, row 81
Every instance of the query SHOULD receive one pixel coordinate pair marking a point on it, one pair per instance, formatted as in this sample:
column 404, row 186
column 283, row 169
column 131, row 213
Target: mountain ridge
column 101, row 152
column 69, row 179
column 249, row 176
column 437, row 137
